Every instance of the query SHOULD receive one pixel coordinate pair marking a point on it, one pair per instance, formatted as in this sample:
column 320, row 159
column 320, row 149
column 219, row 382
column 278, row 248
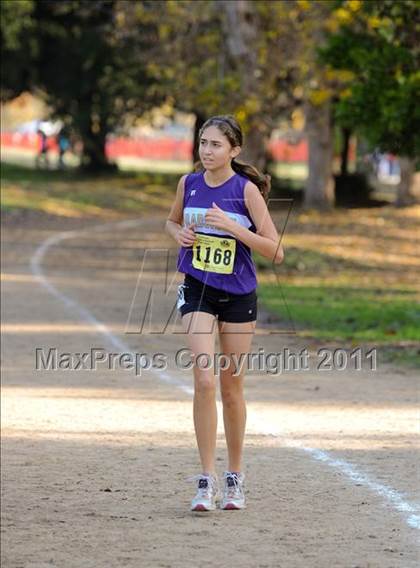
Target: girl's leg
column 200, row 327
column 234, row 338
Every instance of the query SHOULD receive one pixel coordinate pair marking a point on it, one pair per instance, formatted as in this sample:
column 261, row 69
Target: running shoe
column 205, row 500
column 233, row 492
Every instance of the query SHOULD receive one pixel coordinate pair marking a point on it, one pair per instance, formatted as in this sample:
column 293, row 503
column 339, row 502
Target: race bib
column 214, row 254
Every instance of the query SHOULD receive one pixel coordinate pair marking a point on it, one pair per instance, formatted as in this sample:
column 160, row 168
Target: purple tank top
column 217, row 258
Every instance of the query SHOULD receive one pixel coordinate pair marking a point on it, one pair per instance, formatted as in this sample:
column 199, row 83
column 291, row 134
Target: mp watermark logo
column 153, row 309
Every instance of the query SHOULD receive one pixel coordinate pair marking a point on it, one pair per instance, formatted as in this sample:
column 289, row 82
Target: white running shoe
column 233, row 492
column 205, row 500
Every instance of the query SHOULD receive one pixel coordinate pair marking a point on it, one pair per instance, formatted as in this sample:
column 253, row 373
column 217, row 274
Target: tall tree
column 230, row 57
column 18, row 46
column 376, row 43
column 310, row 23
column 88, row 70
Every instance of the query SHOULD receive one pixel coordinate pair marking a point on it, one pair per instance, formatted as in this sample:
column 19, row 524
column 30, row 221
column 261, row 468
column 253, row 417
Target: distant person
column 392, row 165
column 42, row 157
column 63, row 142
column 376, row 159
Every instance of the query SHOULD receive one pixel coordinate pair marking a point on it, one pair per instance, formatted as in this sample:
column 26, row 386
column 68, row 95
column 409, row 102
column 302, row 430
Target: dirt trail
column 95, row 462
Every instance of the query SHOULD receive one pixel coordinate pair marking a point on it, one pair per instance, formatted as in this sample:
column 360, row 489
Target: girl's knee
column 231, row 395
column 205, row 384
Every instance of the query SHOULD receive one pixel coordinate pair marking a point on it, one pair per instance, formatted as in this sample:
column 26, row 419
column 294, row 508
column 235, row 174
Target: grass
column 407, row 355
column 70, row 193
column 338, row 282
column 297, row 260
column 345, row 313
column 293, row 171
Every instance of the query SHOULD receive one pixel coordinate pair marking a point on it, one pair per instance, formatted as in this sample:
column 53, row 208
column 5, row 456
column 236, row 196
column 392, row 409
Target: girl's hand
column 218, row 218
column 186, row 236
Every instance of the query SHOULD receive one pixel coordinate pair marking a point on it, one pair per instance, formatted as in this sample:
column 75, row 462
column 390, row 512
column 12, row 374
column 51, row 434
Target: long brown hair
column 228, row 125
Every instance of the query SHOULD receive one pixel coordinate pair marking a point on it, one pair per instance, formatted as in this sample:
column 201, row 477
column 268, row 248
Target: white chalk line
column 410, row 512
column 112, row 339
column 395, row 498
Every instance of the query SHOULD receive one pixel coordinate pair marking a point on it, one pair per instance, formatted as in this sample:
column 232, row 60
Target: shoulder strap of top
column 186, row 186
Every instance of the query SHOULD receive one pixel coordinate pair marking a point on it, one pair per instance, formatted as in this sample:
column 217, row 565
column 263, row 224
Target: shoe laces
column 207, row 484
column 233, row 483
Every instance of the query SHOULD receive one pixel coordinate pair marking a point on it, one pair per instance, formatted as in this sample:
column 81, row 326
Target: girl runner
column 218, row 216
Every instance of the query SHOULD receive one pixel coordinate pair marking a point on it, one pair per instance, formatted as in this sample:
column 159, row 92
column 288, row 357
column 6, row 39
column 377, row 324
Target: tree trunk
column 344, row 167
column 406, row 194
column 254, row 150
column 94, row 157
column 241, row 34
column 93, row 133
column 319, row 190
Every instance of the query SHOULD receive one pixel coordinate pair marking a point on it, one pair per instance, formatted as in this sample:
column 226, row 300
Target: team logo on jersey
column 193, row 192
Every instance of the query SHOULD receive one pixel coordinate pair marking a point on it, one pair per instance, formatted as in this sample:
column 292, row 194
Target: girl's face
column 215, row 150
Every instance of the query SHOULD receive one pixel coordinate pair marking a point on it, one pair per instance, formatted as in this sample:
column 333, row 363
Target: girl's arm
column 184, row 236
column 266, row 240
column 173, row 229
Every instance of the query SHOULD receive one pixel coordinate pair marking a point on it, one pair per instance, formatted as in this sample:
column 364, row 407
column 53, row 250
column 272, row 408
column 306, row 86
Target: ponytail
column 262, row 181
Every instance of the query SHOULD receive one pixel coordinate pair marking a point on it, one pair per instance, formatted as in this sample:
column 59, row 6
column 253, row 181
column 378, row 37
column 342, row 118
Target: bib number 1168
column 214, row 254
